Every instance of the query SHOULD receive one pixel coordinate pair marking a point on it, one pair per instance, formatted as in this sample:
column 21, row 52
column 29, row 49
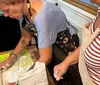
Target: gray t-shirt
column 49, row 22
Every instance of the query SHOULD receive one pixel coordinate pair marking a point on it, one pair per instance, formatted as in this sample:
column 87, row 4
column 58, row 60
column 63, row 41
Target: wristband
column 12, row 53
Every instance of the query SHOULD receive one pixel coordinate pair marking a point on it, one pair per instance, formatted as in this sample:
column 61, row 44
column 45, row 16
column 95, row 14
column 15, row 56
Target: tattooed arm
column 24, row 41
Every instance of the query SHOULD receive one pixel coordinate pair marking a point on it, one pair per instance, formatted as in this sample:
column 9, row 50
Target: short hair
column 11, row 1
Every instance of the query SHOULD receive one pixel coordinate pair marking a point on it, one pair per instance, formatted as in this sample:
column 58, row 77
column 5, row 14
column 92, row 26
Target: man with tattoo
column 48, row 19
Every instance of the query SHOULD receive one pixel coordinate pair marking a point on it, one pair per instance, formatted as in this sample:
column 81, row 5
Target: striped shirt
column 92, row 58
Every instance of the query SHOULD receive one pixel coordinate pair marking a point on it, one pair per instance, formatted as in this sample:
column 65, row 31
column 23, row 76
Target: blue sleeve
column 46, row 34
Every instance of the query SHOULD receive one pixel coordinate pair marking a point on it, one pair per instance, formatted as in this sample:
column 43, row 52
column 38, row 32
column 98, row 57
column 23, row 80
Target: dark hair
column 6, row 2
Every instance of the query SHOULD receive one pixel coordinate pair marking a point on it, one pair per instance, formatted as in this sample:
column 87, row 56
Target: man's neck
column 26, row 11
column 36, row 5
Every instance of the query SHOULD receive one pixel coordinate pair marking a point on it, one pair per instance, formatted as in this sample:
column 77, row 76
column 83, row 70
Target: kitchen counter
column 33, row 51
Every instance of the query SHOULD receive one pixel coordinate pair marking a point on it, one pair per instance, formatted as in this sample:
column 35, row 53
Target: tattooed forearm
column 23, row 43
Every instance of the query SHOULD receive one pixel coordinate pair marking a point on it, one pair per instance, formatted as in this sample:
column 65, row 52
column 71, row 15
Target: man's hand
column 8, row 62
column 60, row 70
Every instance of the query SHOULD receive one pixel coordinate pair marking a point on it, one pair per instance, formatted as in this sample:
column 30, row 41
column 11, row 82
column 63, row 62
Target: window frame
column 83, row 5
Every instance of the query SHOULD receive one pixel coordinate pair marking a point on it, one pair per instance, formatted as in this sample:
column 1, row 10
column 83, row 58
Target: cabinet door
column 9, row 33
